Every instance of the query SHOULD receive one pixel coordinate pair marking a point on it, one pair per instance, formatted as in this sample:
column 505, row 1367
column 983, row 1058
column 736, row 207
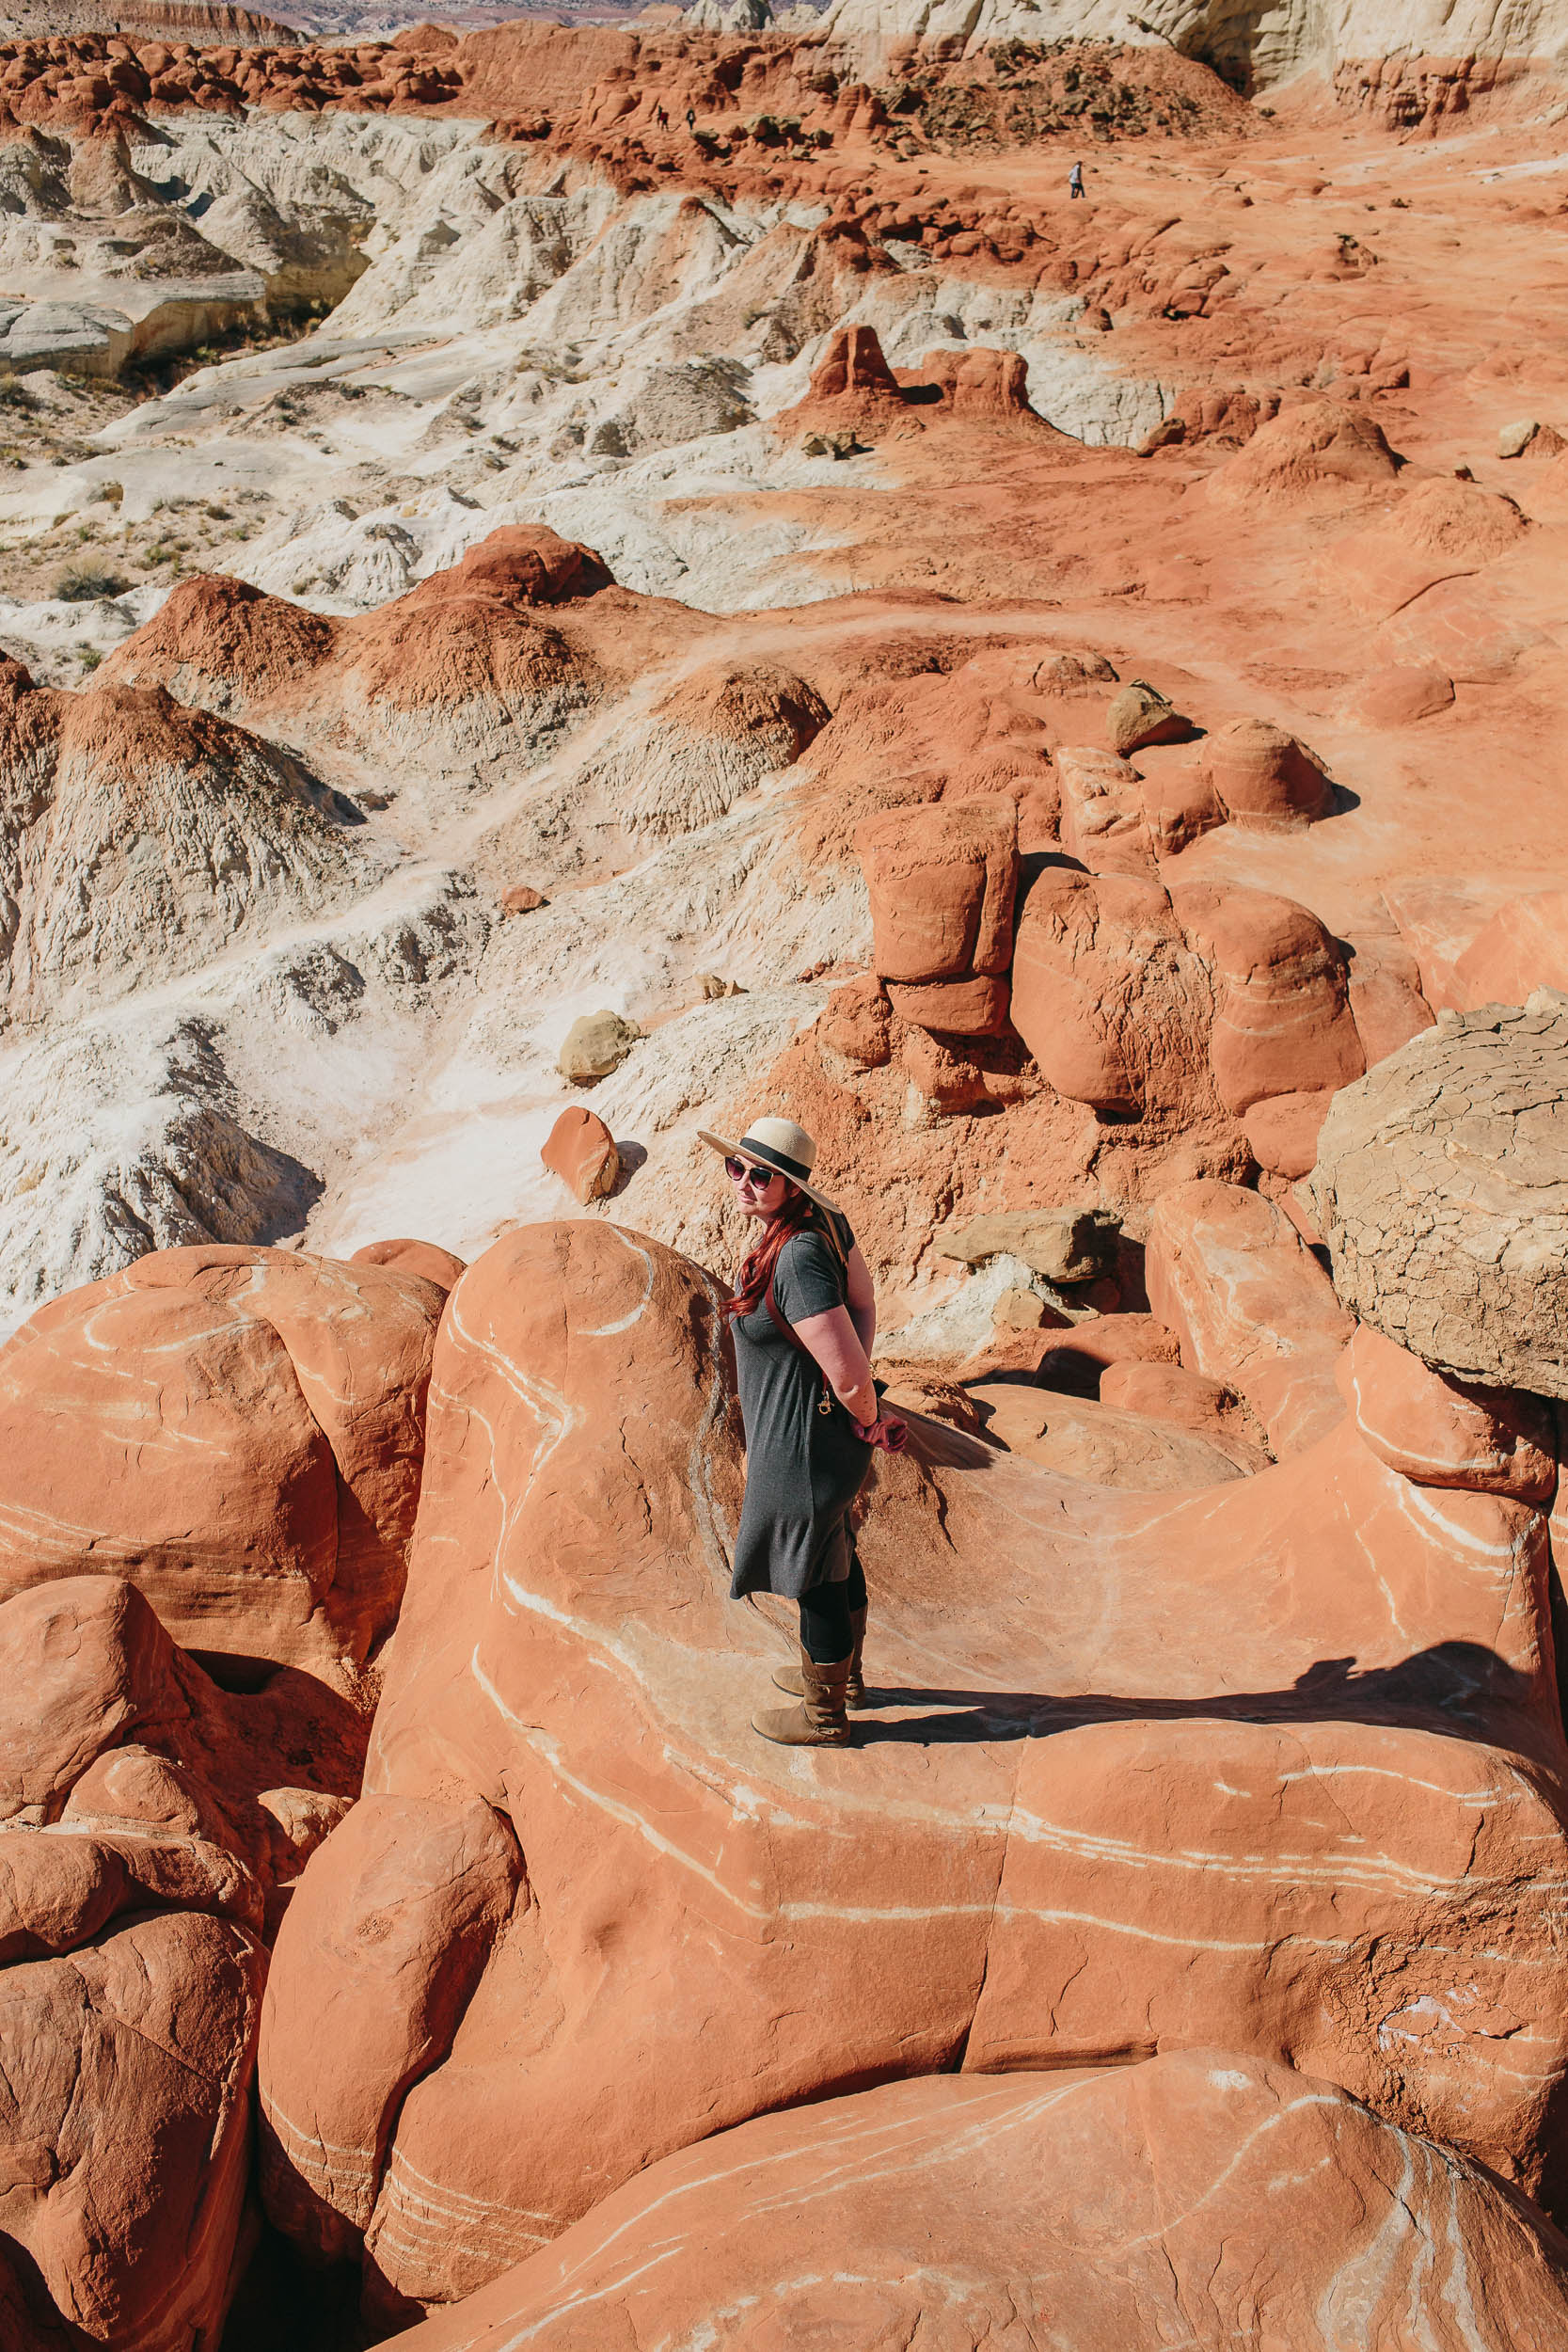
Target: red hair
column 794, row 1216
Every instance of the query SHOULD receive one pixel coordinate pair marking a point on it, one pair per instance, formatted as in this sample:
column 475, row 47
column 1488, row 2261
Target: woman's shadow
column 1464, row 1682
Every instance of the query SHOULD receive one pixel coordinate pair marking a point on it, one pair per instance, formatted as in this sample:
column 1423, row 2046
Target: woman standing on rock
column 805, row 1317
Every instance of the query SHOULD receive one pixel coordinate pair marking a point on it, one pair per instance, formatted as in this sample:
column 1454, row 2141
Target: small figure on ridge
column 805, row 1318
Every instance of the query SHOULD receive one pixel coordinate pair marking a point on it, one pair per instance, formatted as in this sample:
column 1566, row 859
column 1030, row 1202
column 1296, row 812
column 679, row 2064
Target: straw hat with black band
column 780, row 1145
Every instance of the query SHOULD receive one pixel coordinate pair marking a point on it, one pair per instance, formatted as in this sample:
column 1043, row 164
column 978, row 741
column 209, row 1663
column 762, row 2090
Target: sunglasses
column 743, row 1172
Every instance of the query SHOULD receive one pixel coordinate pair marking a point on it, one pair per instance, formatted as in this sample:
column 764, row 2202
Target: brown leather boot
column 819, row 1720
column 790, row 1678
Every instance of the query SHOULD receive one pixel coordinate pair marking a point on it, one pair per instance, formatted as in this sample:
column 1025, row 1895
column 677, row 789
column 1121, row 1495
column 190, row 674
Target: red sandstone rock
column 1097, row 1441
column 1250, row 1306
column 972, row 1007
column 1437, row 1431
column 1264, row 778
column 411, row 1897
column 127, row 2071
column 1208, row 1408
column 1076, row 1360
column 1107, row 994
column 1282, row 1017
column 1313, row 458
column 599, row 1701
column 1385, row 997
column 1437, row 530
column 1398, row 698
column 942, row 883
column 851, row 386
column 1283, row 1130
column 580, row 1150
column 1104, row 823
column 854, row 1033
column 1524, row 948
column 988, row 387
column 238, row 1430
column 148, row 1820
column 1088, row 2207
column 522, row 899
column 425, row 1260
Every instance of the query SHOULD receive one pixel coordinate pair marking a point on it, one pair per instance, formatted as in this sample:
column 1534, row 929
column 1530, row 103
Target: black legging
column 825, row 1635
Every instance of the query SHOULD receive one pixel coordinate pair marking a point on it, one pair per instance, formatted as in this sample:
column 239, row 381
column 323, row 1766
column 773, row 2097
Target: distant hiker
column 1075, row 180
column 691, row 120
column 661, row 118
column 805, row 1318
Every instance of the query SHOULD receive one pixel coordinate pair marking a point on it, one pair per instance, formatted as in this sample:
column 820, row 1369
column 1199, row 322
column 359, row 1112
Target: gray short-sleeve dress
column 803, row 1467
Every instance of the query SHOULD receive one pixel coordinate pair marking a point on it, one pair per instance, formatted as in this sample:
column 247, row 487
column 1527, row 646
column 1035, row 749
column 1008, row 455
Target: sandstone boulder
column 1063, row 1245
column 1283, row 1130
column 982, row 386
column 1440, row 1432
column 854, row 1034
column 1105, row 821
column 1251, row 1305
column 1199, row 2197
column 1399, row 697
column 596, row 1044
column 851, row 386
column 238, row 1431
column 941, row 1084
column 1098, row 1443
column 1140, row 715
column 425, row 1260
column 128, row 2068
column 1347, row 1742
column 972, row 1007
column 1205, row 1409
column 522, row 899
column 580, row 1150
column 1442, row 1193
column 1018, row 1310
column 1109, row 997
column 1264, row 778
column 147, row 1827
column 1282, row 1018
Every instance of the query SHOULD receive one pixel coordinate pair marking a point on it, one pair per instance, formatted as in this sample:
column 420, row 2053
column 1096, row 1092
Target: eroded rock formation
column 1167, row 1666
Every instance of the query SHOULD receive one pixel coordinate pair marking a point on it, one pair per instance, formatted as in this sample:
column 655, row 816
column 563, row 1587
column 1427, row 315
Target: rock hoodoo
column 941, row 882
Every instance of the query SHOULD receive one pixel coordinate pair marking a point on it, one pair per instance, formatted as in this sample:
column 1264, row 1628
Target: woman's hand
column 890, row 1431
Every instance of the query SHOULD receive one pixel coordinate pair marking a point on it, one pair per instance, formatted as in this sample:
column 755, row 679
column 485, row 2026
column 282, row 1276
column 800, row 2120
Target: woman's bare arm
column 834, row 1342
column 862, row 1300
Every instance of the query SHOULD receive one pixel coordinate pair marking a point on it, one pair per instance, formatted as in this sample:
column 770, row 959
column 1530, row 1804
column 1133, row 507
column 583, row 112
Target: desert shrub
column 80, row 582
column 13, row 389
